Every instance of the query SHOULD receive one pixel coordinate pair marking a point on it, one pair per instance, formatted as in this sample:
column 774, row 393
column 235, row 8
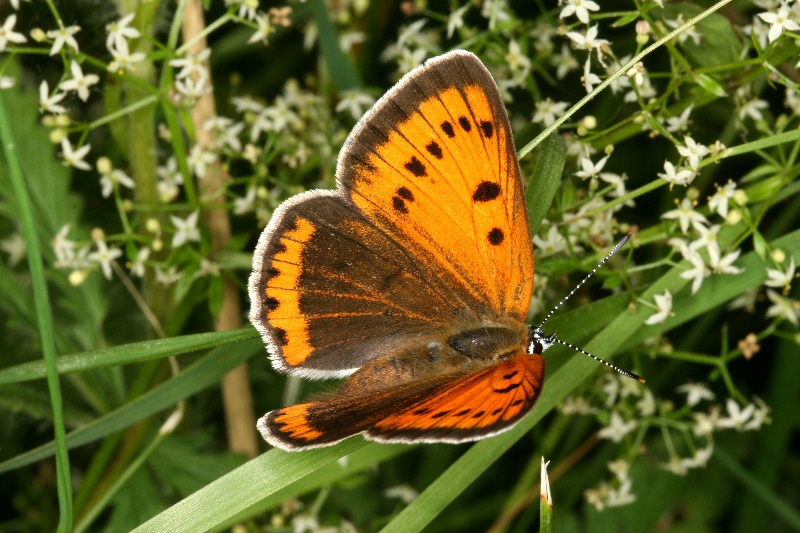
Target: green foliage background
column 116, row 389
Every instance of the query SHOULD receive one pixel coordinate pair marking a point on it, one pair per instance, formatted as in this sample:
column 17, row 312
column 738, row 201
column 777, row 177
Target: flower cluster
column 629, row 411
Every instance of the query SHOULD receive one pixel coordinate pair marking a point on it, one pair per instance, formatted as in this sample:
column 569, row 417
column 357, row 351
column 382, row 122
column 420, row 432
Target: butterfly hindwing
column 457, row 406
column 475, row 406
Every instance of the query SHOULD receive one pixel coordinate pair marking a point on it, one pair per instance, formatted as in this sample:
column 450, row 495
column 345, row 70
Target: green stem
column 44, row 317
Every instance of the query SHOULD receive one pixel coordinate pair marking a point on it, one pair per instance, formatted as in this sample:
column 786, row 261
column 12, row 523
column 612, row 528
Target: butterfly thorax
column 462, row 352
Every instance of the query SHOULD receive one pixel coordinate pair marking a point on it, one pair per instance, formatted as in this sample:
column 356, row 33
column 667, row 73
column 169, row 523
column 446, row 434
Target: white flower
column 579, row 8
column 74, row 158
column 113, row 178
column 693, row 152
column 207, row 268
column 636, row 73
column 553, row 244
column 405, row 493
column 617, row 183
column 698, row 272
column 456, row 19
column 518, row 62
column 15, row 247
column 63, row 247
column 622, row 495
column 589, row 78
column 104, row 256
column 589, row 169
column 683, row 177
column 191, row 88
column 185, row 229
column 700, row 457
column 170, row 178
column 617, row 428
column 263, row 28
column 760, row 415
column 79, row 83
column 679, row 123
column 169, row 276
column 719, row 202
column 724, row 265
column 695, row 393
column 303, row 523
column 123, row 59
column 675, row 465
column 779, row 278
column 707, row 239
column 737, row 417
column 564, row 62
column 643, row 90
column 688, row 33
column 664, row 306
column 247, row 8
column 706, row 424
column 779, row 21
column 192, row 64
column 587, row 41
column 138, row 266
column 198, row 160
column 120, row 31
column 226, row 132
column 63, row 36
column 647, row 405
column 548, row 111
column 244, row 204
column 47, row 103
column 750, row 106
column 783, row 307
column 7, row 33
column 685, row 214
column 355, row 101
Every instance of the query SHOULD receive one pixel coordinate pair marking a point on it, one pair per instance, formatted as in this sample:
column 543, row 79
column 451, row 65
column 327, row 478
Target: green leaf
column 718, row 45
column 136, row 352
column 204, row 373
column 543, row 184
column 342, row 72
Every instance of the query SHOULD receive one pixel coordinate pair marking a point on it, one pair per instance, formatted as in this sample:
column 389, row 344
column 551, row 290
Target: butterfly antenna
column 614, row 250
column 631, row 375
column 553, row 338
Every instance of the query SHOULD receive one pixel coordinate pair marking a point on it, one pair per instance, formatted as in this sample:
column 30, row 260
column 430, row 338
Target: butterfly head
column 538, row 342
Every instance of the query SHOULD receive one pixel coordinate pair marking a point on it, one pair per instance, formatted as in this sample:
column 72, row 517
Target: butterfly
column 413, row 278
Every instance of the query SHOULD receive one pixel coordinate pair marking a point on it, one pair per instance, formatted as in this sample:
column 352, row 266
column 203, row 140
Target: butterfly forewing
column 334, row 291
column 434, row 163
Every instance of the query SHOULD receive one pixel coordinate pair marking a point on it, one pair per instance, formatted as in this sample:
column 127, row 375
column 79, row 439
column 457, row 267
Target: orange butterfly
column 413, row 278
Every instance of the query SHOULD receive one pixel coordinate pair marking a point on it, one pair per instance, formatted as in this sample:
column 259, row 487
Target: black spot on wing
column 271, row 303
column 447, row 128
column 281, row 336
column 416, row 167
column 495, row 236
column 434, row 149
column 405, row 194
column 486, row 191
